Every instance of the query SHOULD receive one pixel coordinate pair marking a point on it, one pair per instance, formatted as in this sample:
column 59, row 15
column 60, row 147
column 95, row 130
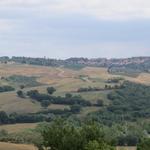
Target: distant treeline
column 47, row 99
column 46, row 115
column 128, row 65
column 115, row 80
column 20, row 118
column 6, row 88
column 131, row 69
column 94, row 89
column 33, row 118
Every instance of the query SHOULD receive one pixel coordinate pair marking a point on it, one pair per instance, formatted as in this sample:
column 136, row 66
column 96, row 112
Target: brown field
column 87, row 110
column 9, row 102
column 15, row 128
column 52, row 75
column 54, row 106
column 64, row 80
column 9, row 146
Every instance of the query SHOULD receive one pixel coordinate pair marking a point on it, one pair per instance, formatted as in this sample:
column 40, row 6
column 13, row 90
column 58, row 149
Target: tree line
column 6, row 88
column 47, row 99
column 130, row 103
column 69, row 134
column 95, row 89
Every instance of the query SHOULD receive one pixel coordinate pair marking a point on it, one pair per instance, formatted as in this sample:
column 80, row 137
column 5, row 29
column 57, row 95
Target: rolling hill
column 96, row 81
column 63, row 79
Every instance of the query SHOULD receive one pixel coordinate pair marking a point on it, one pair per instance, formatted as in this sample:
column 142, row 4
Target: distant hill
column 127, row 65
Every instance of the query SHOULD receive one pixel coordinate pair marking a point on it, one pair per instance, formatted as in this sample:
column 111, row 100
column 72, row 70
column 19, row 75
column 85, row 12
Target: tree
column 68, row 95
column 3, row 132
column 33, row 94
column 98, row 145
column 106, row 86
column 45, row 103
column 100, row 102
column 75, row 108
column 20, row 94
column 6, row 88
column 22, row 86
column 130, row 140
column 51, row 90
column 144, row 145
column 3, row 117
column 92, row 145
column 61, row 135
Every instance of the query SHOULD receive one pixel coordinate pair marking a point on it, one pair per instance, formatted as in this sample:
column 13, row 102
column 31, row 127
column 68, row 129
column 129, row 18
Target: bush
column 75, row 108
column 6, row 89
column 144, row 145
column 68, row 95
column 100, row 103
column 62, row 135
column 4, row 119
column 20, row 94
column 24, row 80
column 98, row 145
column 45, row 103
column 51, row 90
column 69, row 100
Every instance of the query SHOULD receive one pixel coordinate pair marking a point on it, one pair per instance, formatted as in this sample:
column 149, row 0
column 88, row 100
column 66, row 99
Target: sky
column 75, row 28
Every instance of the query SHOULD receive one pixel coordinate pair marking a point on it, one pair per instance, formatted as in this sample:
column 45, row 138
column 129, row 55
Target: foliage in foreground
column 144, row 145
column 61, row 135
column 71, row 134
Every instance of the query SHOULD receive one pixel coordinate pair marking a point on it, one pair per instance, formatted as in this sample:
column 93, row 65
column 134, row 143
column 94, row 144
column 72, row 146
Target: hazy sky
column 75, row 28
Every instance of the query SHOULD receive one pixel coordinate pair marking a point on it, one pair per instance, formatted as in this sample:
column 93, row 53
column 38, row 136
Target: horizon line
column 108, row 58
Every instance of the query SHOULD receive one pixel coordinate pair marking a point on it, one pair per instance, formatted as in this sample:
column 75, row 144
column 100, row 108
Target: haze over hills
column 128, row 65
column 85, row 61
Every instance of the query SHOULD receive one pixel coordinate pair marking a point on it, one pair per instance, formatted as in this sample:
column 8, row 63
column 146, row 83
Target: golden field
column 64, row 80
column 126, row 148
column 9, row 146
column 15, row 128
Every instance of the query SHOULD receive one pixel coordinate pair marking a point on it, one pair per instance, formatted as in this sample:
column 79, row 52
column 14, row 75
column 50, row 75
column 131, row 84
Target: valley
column 79, row 94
